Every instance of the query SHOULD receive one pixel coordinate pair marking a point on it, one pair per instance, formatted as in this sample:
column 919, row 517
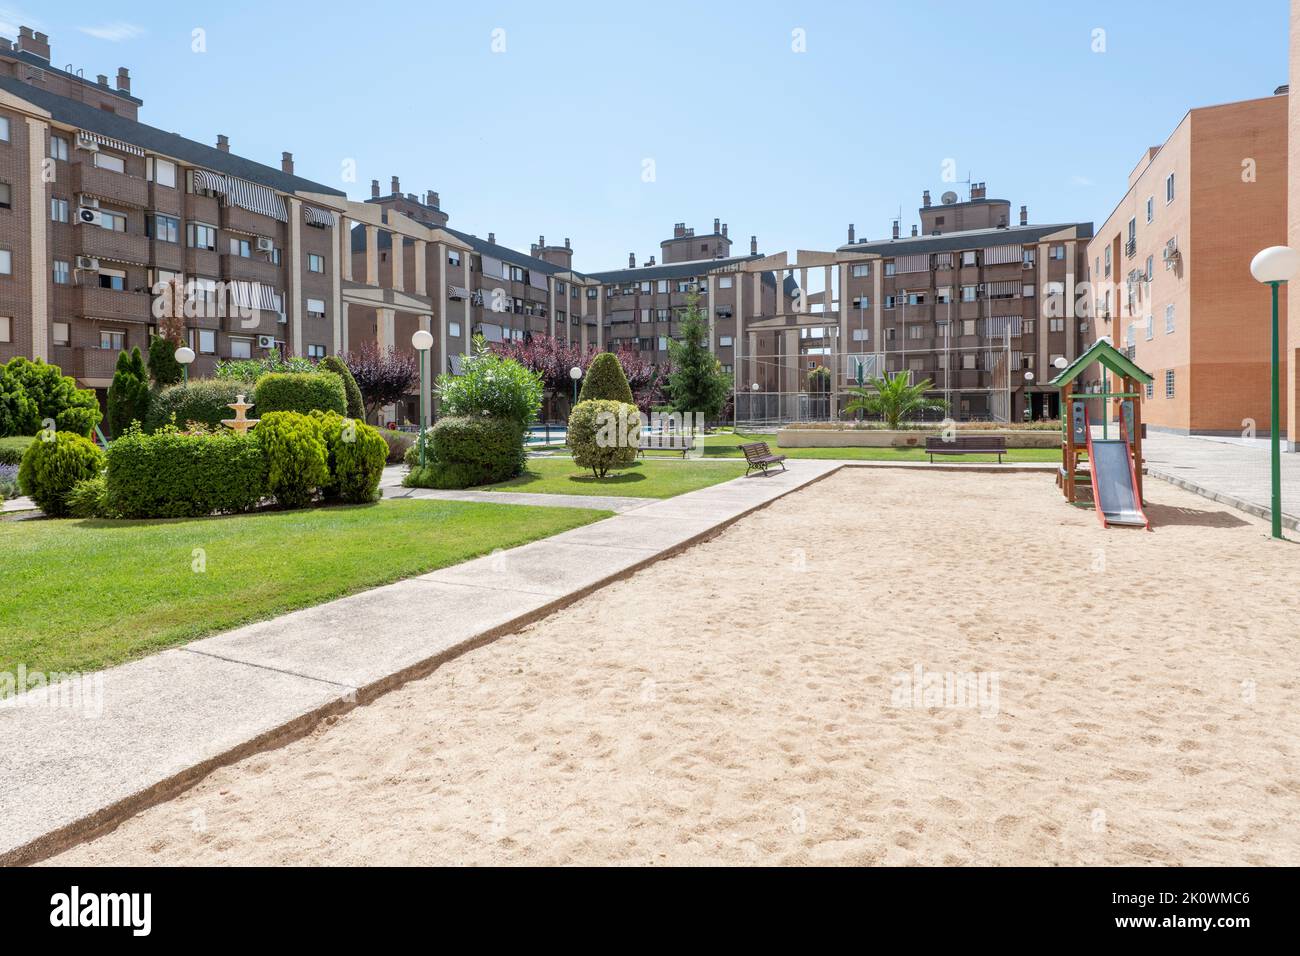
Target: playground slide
column 1114, row 480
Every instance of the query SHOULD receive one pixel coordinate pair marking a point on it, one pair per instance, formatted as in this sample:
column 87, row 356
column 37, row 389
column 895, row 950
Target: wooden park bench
column 759, row 456
column 683, row 442
column 967, row 445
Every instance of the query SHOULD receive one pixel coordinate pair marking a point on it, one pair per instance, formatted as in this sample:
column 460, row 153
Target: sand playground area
column 887, row 667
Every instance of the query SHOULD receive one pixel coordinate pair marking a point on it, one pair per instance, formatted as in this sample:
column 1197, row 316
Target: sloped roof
column 1112, row 358
column 668, row 270
column 967, row 239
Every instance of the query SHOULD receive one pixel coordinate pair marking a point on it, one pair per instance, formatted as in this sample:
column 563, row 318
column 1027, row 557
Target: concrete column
column 467, row 338
column 426, row 360
column 550, row 288
column 345, row 245
column 38, row 232
column 421, row 267
column 1071, row 323
column 791, row 360
column 440, row 297
column 737, row 341
column 842, row 340
column 397, row 253
column 600, row 323
column 386, row 329
column 755, row 369
column 343, row 326
column 877, row 309
column 713, row 314
column 757, row 309
column 336, row 291
column 1042, row 373
column 296, row 269
column 372, row 255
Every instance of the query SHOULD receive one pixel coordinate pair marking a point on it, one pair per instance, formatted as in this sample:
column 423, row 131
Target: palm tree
column 894, row 399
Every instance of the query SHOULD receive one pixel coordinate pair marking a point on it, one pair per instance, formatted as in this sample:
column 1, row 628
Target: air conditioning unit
column 86, row 143
column 89, row 202
column 265, row 244
column 88, row 216
column 266, row 341
column 87, row 264
column 1170, row 254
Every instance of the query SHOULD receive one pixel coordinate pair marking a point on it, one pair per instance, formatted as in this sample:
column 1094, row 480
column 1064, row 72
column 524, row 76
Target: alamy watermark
column 83, row 693
column 951, row 690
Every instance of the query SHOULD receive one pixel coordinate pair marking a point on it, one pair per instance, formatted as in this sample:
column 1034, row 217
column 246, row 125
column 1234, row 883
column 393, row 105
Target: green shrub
column 163, row 367
column 399, row 444
column 171, row 474
column 250, row 370
column 54, row 394
column 603, row 435
column 356, row 454
column 296, row 457
column 18, row 412
column 605, row 380
column 11, row 449
column 53, row 464
column 89, row 498
column 202, row 400
column 492, row 385
column 302, row 392
column 128, row 396
column 470, row 451
column 356, row 406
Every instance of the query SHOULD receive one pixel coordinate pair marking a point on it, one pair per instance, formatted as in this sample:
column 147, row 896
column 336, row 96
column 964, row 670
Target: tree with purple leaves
column 383, row 375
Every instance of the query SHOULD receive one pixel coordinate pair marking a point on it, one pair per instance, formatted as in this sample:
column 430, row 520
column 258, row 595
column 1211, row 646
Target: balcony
column 202, row 262
column 85, row 363
column 1130, row 248
column 167, row 255
column 241, row 220
column 251, row 269
column 253, row 322
column 117, row 246
column 114, row 187
column 93, row 302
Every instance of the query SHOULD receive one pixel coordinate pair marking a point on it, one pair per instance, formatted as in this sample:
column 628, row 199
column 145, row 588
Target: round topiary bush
column 296, row 456
column 203, row 400
column 603, row 435
column 356, row 457
column 605, row 380
column 301, row 392
column 467, row 451
column 356, row 405
column 53, row 464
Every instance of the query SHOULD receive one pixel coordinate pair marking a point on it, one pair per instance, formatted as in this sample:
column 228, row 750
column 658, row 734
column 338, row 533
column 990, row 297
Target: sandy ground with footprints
column 749, row 702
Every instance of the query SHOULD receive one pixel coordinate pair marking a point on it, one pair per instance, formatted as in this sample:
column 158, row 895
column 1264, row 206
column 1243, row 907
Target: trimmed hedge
column 356, row 457
column 297, row 462
column 301, row 392
column 53, row 464
column 597, row 437
column 605, row 380
column 11, row 449
column 203, row 400
column 356, row 405
column 170, row 474
column 470, row 451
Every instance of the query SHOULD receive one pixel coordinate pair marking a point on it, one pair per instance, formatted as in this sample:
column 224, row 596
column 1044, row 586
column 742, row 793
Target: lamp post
column 575, row 373
column 422, row 341
column 1273, row 266
column 1029, row 398
column 185, row 355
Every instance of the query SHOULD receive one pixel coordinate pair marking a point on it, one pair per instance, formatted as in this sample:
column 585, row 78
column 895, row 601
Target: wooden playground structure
column 1109, row 468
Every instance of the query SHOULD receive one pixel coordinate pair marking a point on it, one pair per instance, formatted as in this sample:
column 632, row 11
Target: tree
column 55, row 395
column 894, row 399
column 383, row 375
column 646, row 378
column 128, row 396
column 697, row 382
column 163, row 367
column 605, row 379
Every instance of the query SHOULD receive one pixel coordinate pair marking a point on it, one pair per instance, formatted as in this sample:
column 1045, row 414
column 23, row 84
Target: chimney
column 492, row 238
column 925, row 199
column 37, row 44
column 541, row 242
column 977, row 191
column 566, row 243
column 435, row 200
column 913, row 230
column 895, row 230
column 1024, row 215
column 286, row 163
column 397, row 187
column 724, row 228
column 679, row 230
column 631, row 260
column 717, row 225
column 652, row 260
column 753, row 245
column 850, row 232
column 123, row 79
column 102, row 80
column 223, row 142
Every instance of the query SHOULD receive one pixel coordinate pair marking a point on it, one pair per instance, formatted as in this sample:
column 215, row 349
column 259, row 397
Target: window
column 6, row 262
column 316, row 308
column 1150, row 326
column 62, row 333
column 6, row 196
column 890, row 268
column 164, row 228
column 241, row 348
column 112, row 339
column 916, row 332
column 316, row 352
column 725, row 282
column 1056, row 252
column 862, row 302
column 968, row 293
column 113, row 221
column 58, row 148
column 4, row 132
column 207, row 341
column 6, row 329
column 968, row 327
column 889, row 302
column 62, row 272
column 968, row 258
column 861, row 335
column 164, row 173
column 1130, row 335
column 647, row 286
column 862, row 270
column 241, row 247
column 967, row 361
column 1150, row 389
column 516, row 274
column 315, row 263
column 1027, row 326
column 1027, row 291
column 1169, row 189
column 724, row 341
column 108, row 161
column 1028, row 258
column 453, row 257
column 1056, row 325
column 1169, row 318
column 1107, row 253
column 1151, row 208
column 200, row 236
column 58, row 209
column 453, row 329
column 1169, row 383
column 114, row 279
column 1151, row 268
column 663, row 343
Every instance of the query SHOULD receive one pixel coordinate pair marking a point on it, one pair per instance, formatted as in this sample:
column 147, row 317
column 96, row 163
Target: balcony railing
column 1130, row 248
column 117, row 246
column 109, row 185
column 251, row 268
column 93, row 302
column 85, row 363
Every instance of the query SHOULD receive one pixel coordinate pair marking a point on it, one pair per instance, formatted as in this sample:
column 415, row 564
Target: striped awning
column 256, row 198
column 456, row 292
column 254, row 295
column 111, row 143
column 998, row 255
column 213, row 182
column 318, row 217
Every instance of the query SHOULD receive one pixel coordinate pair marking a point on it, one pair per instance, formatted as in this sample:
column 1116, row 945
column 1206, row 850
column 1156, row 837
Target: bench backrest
column 755, row 450
column 667, row 441
column 982, row 442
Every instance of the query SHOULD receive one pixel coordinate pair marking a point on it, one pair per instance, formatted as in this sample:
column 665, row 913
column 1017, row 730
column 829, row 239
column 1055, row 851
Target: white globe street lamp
column 422, row 341
column 1273, row 266
column 184, row 355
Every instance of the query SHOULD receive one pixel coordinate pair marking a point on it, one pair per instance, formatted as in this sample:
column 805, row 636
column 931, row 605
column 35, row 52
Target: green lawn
column 726, row 445
column 643, row 479
column 81, row 595
column 16, row 444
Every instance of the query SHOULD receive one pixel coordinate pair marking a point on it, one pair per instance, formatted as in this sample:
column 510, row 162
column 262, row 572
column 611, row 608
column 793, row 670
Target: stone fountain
column 239, row 423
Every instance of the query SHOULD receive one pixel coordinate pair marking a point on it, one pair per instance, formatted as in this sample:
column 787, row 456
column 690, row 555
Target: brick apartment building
column 1171, row 266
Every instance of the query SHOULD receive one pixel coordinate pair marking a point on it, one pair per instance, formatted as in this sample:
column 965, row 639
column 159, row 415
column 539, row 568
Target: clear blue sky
column 550, row 135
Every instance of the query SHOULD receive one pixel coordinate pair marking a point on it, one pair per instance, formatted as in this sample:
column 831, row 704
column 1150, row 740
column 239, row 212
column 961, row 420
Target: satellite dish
column 948, row 198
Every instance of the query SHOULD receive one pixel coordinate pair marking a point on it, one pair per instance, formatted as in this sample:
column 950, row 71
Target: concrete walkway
column 17, row 504
column 1231, row 471
column 143, row 731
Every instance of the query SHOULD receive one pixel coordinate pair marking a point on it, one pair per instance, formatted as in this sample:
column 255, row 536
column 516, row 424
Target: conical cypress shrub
column 605, row 380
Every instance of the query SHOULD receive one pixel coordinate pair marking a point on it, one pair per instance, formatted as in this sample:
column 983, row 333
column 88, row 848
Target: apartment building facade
column 1171, row 267
column 103, row 211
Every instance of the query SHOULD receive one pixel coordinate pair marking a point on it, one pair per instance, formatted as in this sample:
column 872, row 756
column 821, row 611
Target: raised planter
column 911, row 438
